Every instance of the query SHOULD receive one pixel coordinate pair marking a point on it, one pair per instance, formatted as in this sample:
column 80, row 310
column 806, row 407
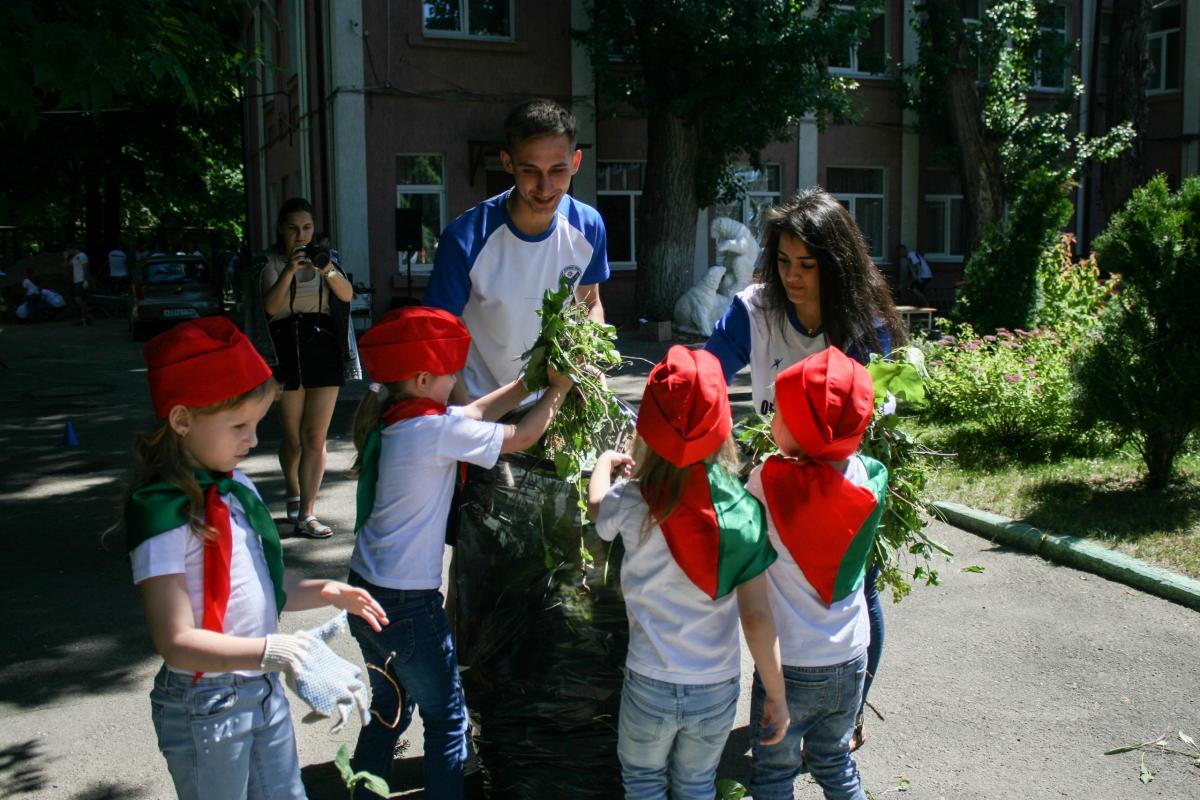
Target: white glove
column 320, row 677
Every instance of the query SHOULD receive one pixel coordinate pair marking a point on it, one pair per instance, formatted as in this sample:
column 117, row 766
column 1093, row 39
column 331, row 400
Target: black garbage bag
column 541, row 634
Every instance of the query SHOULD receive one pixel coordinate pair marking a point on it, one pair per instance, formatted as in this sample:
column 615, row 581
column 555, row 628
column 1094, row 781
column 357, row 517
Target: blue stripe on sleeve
column 730, row 340
column 589, row 221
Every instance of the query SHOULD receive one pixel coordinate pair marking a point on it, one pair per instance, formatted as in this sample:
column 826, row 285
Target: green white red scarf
column 827, row 523
column 368, row 471
column 717, row 532
column 159, row 507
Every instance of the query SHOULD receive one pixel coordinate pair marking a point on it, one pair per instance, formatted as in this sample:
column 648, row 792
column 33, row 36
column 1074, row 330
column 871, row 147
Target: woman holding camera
column 306, row 296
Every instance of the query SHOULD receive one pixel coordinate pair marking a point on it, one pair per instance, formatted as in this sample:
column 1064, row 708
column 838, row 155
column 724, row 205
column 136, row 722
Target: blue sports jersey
column 493, row 276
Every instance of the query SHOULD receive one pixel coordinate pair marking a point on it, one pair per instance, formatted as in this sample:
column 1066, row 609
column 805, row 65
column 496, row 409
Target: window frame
column 852, row 199
column 421, row 267
column 1068, row 68
column 944, row 253
column 464, row 31
column 853, row 69
column 776, row 196
column 1159, row 71
column 635, row 194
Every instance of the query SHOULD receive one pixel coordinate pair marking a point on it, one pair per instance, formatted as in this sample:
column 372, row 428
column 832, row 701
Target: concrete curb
column 1077, row 552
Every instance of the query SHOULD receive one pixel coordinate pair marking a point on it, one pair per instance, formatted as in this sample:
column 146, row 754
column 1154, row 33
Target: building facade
column 375, row 106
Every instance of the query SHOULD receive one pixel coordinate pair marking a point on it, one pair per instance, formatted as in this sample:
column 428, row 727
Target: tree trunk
column 1159, row 450
column 666, row 236
column 1125, row 101
column 979, row 158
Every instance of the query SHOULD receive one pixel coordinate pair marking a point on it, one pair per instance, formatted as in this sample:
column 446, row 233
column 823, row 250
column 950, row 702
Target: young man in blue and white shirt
column 495, row 261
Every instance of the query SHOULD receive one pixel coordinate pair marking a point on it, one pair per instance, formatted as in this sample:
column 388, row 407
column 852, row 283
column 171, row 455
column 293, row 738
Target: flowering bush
column 1015, row 388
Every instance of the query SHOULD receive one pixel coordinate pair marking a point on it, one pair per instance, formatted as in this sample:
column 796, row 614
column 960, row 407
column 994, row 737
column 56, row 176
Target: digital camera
column 319, row 256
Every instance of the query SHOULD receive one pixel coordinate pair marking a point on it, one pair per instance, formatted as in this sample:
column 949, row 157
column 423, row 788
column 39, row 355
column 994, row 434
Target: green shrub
column 1001, row 276
column 1013, row 388
column 1142, row 374
column 1072, row 295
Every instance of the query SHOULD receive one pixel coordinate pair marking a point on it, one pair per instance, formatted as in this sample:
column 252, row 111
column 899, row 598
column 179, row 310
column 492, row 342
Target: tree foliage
column 1142, row 375
column 121, row 113
column 1037, row 155
column 717, row 80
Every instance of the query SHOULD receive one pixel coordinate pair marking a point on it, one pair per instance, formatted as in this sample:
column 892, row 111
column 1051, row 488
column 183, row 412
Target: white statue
column 698, row 310
column 738, row 250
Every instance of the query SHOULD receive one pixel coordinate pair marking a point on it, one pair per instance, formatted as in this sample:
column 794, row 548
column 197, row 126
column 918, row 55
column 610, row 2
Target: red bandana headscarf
column 826, row 401
column 716, row 533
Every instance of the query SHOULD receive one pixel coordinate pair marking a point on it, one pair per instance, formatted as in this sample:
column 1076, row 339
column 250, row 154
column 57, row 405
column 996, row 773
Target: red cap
column 684, row 415
column 826, row 401
column 414, row 339
column 199, row 363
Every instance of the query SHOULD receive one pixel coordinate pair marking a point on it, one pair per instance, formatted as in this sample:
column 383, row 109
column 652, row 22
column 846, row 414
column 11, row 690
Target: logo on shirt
column 571, row 272
column 775, row 364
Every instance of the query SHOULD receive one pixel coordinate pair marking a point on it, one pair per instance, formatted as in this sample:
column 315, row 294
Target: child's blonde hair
column 662, row 483
column 160, row 457
column 366, row 416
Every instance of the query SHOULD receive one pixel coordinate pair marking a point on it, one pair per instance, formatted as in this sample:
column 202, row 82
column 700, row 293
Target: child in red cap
column 692, row 536
column 207, row 556
column 410, row 446
column 823, row 507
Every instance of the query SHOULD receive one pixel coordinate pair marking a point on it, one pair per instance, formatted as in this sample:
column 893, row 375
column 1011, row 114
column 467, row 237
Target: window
column 860, row 190
column 421, row 184
column 1163, row 47
column 943, row 215
column 1052, row 60
column 868, row 57
column 758, row 190
column 618, row 195
column 475, row 19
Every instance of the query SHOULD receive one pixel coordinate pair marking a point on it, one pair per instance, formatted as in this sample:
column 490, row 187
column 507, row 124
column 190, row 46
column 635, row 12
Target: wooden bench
column 917, row 318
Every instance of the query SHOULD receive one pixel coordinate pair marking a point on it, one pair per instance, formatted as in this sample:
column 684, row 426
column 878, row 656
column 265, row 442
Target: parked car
column 168, row 289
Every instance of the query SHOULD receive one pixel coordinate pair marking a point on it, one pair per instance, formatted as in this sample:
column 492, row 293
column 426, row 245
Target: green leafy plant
column 730, row 790
column 1014, row 390
column 1160, row 745
column 592, row 415
column 352, row 779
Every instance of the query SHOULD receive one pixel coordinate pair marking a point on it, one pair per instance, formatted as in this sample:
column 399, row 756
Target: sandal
column 293, row 508
column 312, row 528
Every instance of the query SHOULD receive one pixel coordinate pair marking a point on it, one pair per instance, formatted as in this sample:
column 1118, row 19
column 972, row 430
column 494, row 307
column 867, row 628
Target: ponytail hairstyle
column 662, row 483
column 367, row 415
column 160, row 457
column 855, row 299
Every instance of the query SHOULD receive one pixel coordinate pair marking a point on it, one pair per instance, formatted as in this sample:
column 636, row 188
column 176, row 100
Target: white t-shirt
column 401, row 544
column 493, row 276
column 677, row 633
column 251, row 610
column 79, row 263
column 810, row 634
column 116, row 264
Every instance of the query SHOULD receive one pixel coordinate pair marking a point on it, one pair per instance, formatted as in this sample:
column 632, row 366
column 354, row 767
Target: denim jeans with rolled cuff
column 416, row 651
column 823, row 702
column 672, row 734
column 228, row 736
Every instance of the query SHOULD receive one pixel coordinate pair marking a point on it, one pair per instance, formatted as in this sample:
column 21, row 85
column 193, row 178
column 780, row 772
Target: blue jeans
column 227, row 736
column 875, row 646
column 673, row 734
column 416, row 650
column 823, row 702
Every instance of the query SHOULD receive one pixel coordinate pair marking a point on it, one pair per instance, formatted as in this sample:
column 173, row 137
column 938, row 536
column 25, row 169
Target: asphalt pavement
column 1006, row 682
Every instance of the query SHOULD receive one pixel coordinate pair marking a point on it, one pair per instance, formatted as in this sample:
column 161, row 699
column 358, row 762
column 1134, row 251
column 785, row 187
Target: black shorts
column 308, row 352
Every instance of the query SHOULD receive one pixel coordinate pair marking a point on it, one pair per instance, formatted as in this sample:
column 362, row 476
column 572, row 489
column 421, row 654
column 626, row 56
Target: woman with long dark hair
column 307, row 300
column 816, row 286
